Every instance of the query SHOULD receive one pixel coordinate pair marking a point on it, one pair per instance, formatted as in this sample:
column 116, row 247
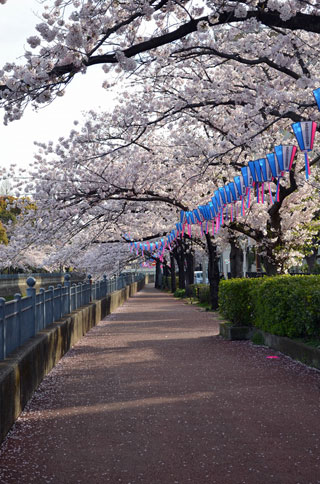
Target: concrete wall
column 16, row 283
column 24, row 369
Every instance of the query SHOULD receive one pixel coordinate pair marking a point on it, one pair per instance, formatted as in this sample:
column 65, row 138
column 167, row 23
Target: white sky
column 17, row 22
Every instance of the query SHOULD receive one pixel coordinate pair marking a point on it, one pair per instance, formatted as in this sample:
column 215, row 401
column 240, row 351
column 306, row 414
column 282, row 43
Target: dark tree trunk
column 271, row 266
column 312, row 259
column 179, row 256
column 158, row 280
column 182, row 274
column 173, row 273
column 189, row 257
column 213, row 272
column 166, row 273
column 190, row 268
column 236, row 259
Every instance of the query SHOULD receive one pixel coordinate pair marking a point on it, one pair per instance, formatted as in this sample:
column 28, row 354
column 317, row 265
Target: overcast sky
column 17, row 22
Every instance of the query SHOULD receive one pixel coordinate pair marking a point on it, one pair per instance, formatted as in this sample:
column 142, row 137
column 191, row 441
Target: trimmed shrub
column 236, row 302
column 288, row 306
column 281, row 305
column 200, row 291
column 180, row 293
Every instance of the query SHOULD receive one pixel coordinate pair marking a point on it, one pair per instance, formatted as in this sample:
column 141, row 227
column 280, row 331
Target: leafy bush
column 235, row 300
column 201, row 292
column 289, row 306
column 281, row 305
column 180, row 293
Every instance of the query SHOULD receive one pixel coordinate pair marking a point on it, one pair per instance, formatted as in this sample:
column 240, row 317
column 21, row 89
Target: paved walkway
column 152, row 395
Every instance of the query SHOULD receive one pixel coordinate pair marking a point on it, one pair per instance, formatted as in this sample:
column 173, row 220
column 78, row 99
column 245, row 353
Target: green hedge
column 281, row 305
column 236, row 302
column 180, row 293
column 200, row 291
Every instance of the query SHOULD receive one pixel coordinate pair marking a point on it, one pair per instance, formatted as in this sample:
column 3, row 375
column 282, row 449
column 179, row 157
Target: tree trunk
column 271, row 268
column 179, row 255
column 173, row 273
column 158, row 280
column 269, row 262
column 189, row 270
column 312, row 259
column 213, row 272
column 165, row 281
column 236, row 259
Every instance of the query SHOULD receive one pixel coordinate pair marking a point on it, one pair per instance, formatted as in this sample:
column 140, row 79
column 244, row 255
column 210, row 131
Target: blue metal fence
column 23, row 317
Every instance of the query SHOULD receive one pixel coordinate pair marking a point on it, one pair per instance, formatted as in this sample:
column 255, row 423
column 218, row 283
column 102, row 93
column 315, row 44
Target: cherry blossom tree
column 212, row 87
column 77, row 34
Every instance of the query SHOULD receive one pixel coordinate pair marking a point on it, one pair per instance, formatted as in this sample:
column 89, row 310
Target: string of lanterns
column 223, row 205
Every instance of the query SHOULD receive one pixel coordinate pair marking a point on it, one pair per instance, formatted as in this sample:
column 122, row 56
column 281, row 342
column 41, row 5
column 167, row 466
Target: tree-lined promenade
column 201, row 91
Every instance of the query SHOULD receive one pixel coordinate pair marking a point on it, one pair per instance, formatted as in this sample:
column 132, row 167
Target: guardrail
column 23, row 317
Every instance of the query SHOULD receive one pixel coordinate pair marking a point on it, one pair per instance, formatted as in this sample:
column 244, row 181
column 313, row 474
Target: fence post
column 3, row 350
column 51, row 289
column 67, row 283
column 74, row 285
column 105, row 285
column 90, row 291
column 59, row 286
column 42, row 308
column 31, row 292
column 81, row 293
column 17, row 298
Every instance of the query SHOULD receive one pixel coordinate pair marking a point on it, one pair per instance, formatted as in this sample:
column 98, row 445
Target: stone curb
column 297, row 350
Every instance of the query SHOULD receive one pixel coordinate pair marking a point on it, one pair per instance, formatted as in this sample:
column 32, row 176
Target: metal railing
column 23, row 317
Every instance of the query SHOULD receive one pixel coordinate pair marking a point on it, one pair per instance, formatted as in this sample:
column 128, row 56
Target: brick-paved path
column 153, row 395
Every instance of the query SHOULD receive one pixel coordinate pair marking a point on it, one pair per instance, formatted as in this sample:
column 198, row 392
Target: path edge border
column 295, row 349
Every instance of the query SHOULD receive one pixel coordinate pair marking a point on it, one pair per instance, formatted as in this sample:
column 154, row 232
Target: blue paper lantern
column 223, row 195
column 212, row 211
column 305, row 132
column 274, row 165
column 316, row 94
column 215, row 204
column 233, row 191
column 197, row 215
column 285, row 155
column 228, row 194
column 266, row 175
column 247, row 176
column 252, row 170
column 218, row 198
column 258, row 171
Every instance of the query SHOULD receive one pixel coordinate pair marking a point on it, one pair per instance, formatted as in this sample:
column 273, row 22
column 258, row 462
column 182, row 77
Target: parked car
column 198, row 278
